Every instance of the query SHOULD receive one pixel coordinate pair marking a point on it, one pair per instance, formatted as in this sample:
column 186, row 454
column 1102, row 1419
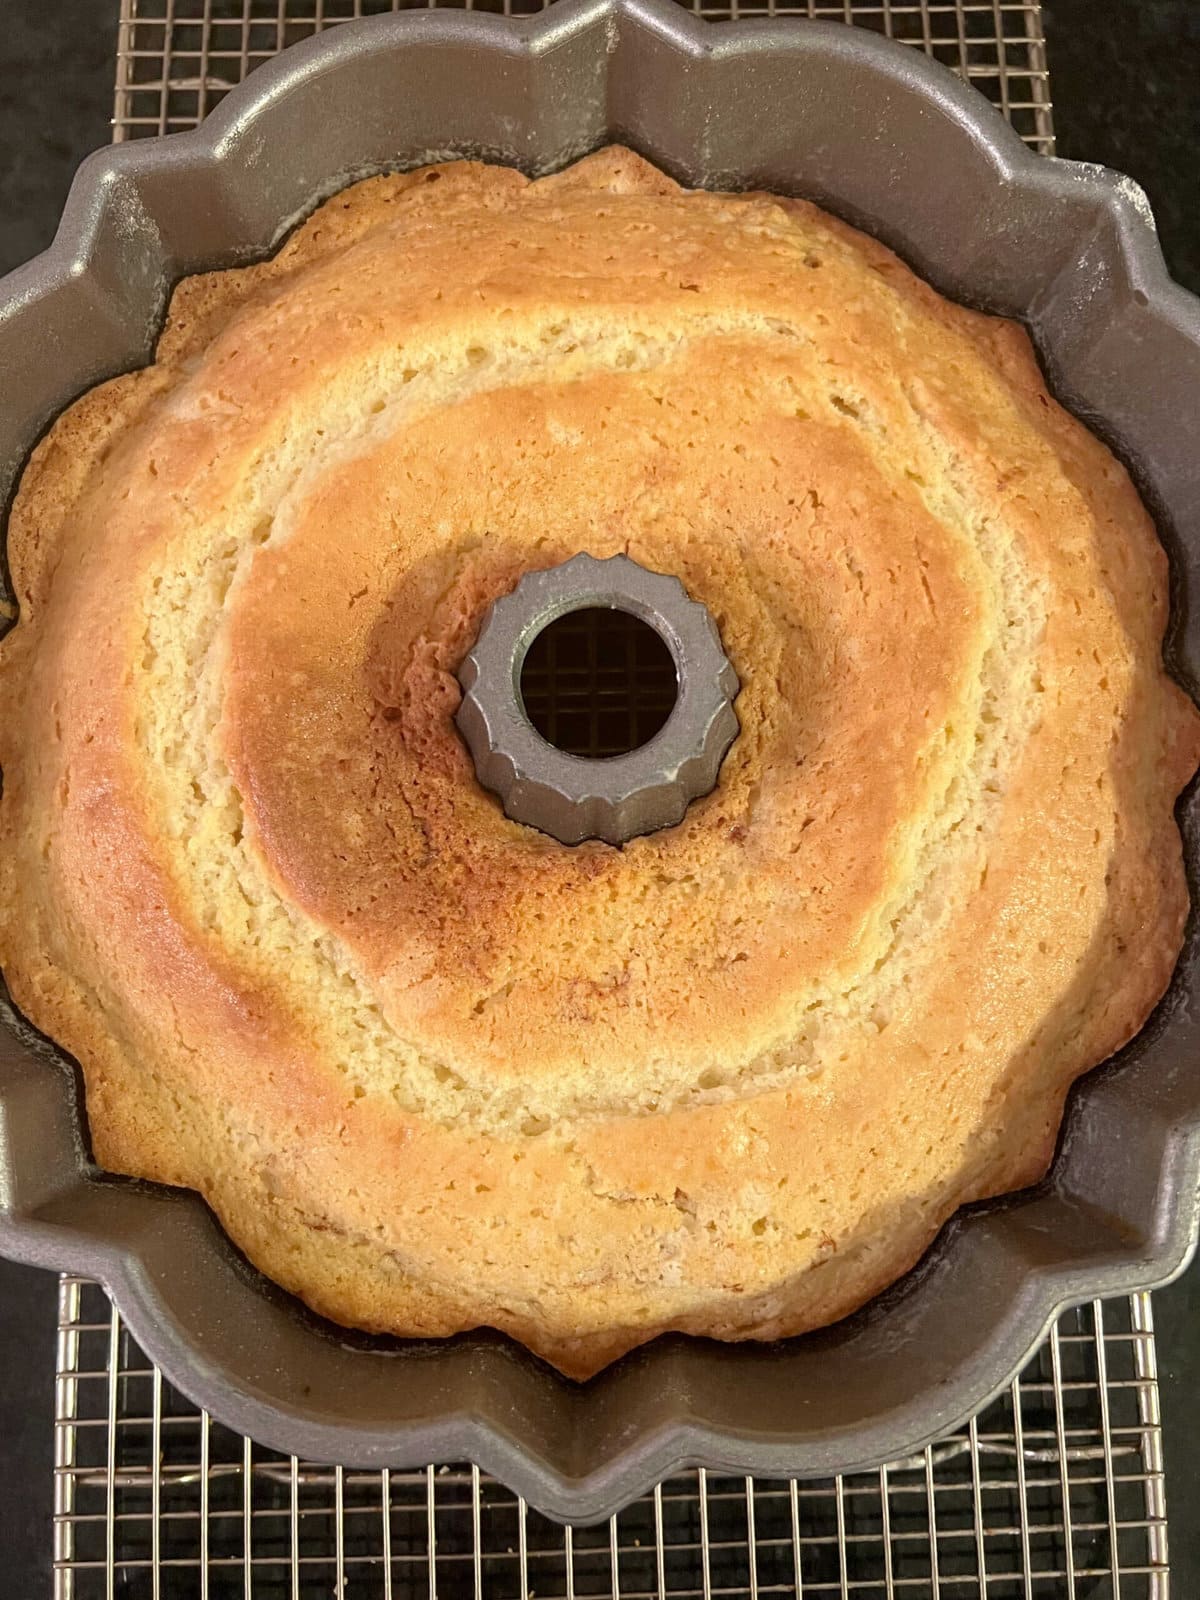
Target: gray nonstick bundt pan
column 902, row 148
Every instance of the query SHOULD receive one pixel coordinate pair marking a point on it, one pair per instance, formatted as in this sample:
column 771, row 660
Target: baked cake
column 430, row 1068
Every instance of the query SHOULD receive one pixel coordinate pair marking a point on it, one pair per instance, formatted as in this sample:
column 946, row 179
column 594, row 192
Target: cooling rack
column 1055, row 1490
column 176, row 58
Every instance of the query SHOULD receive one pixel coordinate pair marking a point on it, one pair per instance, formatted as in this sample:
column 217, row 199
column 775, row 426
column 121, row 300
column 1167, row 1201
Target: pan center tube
column 597, row 700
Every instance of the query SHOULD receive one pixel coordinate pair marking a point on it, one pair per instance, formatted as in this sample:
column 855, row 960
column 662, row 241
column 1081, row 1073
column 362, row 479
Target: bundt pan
column 900, row 147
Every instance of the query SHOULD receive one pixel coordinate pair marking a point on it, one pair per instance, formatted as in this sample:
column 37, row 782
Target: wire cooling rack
column 176, row 58
column 1055, row 1490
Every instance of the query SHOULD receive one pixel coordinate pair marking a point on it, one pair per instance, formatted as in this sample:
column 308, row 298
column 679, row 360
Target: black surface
column 56, row 75
column 1125, row 80
column 1126, row 84
column 27, row 1322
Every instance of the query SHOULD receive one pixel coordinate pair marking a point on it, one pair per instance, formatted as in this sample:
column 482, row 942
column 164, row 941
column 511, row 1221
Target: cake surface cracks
column 432, row 1068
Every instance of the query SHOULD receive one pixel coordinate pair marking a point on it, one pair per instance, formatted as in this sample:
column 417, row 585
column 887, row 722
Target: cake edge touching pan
column 880, row 135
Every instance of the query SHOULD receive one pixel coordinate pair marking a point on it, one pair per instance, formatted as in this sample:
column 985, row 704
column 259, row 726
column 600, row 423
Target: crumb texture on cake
column 432, row 1069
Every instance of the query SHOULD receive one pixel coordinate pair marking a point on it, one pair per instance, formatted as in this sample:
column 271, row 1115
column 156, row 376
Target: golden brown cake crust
column 432, row 1069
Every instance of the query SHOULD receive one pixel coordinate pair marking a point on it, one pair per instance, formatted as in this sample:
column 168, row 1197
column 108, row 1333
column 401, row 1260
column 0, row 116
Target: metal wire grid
column 176, row 58
column 1056, row 1489
column 598, row 682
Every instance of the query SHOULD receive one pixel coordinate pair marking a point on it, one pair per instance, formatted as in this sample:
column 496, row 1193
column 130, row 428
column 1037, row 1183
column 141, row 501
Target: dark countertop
column 1126, row 84
column 1125, row 81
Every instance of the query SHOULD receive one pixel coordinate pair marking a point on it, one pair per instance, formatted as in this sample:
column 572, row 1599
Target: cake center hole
column 598, row 682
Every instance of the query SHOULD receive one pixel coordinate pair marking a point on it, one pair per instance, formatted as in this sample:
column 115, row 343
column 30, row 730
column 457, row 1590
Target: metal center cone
column 615, row 797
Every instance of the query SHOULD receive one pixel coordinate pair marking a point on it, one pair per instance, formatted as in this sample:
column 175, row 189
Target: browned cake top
column 433, row 1068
